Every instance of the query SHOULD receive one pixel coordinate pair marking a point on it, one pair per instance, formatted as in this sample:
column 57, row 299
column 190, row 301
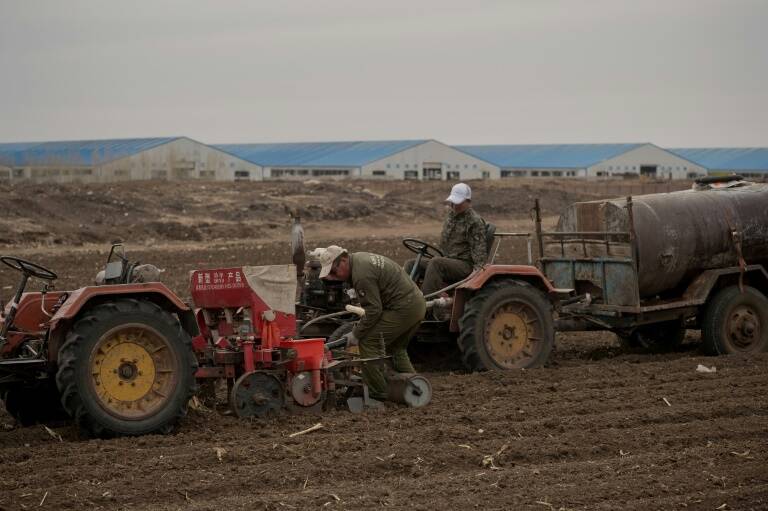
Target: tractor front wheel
column 506, row 325
column 126, row 368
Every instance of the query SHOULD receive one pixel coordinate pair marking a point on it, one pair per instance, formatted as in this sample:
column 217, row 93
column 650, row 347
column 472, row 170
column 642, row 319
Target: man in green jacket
column 394, row 308
column 462, row 242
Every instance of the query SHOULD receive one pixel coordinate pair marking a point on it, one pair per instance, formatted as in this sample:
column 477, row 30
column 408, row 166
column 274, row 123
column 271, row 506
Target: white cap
column 327, row 256
column 459, row 193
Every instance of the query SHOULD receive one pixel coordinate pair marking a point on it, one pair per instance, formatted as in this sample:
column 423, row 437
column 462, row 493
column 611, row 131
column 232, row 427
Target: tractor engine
column 326, row 295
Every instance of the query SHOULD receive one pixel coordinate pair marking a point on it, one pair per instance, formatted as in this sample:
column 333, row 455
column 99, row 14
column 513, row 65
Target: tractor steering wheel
column 28, row 268
column 426, row 250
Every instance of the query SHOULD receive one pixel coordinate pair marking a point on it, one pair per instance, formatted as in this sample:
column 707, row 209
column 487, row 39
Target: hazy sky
column 673, row 72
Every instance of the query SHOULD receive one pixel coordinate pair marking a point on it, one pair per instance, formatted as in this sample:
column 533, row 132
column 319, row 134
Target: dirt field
column 598, row 428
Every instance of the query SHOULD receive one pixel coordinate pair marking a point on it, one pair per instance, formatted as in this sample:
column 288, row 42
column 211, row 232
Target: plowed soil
column 598, row 428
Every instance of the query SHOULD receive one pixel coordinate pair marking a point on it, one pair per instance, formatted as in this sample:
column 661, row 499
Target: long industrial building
column 749, row 162
column 182, row 158
column 170, row 158
column 587, row 161
column 393, row 159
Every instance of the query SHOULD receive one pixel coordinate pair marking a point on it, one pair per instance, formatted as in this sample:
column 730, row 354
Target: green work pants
column 443, row 271
column 408, row 266
column 390, row 336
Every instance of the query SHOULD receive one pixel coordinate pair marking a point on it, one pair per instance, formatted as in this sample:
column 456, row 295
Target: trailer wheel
column 736, row 322
column 126, row 368
column 506, row 325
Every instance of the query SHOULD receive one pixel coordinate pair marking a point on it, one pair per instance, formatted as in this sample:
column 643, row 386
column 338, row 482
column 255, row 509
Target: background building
column 122, row 160
column 748, row 161
column 586, row 160
column 174, row 158
column 392, row 159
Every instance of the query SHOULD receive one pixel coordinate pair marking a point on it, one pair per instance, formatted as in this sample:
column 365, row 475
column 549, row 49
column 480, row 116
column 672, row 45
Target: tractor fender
column 85, row 297
column 493, row 272
column 528, row 273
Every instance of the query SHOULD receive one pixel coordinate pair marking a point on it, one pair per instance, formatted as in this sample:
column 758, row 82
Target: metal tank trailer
column 650, row 266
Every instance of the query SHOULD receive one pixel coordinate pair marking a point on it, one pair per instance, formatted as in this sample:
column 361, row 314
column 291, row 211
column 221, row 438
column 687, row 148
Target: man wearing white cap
column 394, row 308
column 462, row 243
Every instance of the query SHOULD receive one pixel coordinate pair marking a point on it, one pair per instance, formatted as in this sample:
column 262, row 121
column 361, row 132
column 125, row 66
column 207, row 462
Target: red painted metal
column 78, row 298
column 479, row 279
column 210, row 372
column 30, row 320
column 310, row 356
column 227, row 288
column 244, row 335
column 248, row 359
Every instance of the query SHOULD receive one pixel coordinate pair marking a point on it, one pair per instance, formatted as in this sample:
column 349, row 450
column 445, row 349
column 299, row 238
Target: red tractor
column 125, row 357
column 117, row 357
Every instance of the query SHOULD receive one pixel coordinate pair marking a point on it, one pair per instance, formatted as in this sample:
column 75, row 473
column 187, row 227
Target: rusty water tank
column 679, row 234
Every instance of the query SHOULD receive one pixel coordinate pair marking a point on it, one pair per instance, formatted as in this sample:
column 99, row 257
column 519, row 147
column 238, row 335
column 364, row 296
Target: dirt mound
column 496, row 198
column 152, row 212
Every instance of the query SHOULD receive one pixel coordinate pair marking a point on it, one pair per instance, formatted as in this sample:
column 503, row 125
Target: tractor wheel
column 506, row 325
column 736, row 322
column 663, row 336
column 126, row 368
column 31, row 405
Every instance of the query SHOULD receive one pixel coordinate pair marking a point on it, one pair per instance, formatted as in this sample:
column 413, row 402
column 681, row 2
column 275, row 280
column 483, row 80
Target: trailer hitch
column 584, row 299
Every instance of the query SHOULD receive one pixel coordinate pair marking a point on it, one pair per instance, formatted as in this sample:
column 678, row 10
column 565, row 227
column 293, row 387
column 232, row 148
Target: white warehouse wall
column 297, row 172
column 668, row 164
column 180, row 159
column 558, row 172
column 431, row 154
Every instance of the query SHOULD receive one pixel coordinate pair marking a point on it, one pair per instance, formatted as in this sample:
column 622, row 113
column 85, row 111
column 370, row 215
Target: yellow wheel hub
column 511, row 333
column 132, row 371
column 127, row 371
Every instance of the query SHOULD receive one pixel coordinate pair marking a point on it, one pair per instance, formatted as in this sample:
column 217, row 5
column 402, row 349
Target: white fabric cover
column 275, row 285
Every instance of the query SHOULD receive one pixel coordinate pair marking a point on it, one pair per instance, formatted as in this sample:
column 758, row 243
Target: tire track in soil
column 593, row 443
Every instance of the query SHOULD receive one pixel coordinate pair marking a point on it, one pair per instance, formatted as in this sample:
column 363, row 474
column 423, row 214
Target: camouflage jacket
column 463, row 238
column 380, row 284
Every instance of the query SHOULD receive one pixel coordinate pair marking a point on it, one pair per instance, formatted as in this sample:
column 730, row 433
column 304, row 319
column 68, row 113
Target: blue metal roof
column 318, row 154
column 81, row 153
column 727, row 158
column 546, row 155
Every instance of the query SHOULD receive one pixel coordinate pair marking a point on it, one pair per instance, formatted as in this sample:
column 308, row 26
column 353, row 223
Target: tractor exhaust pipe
column 298, row 254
